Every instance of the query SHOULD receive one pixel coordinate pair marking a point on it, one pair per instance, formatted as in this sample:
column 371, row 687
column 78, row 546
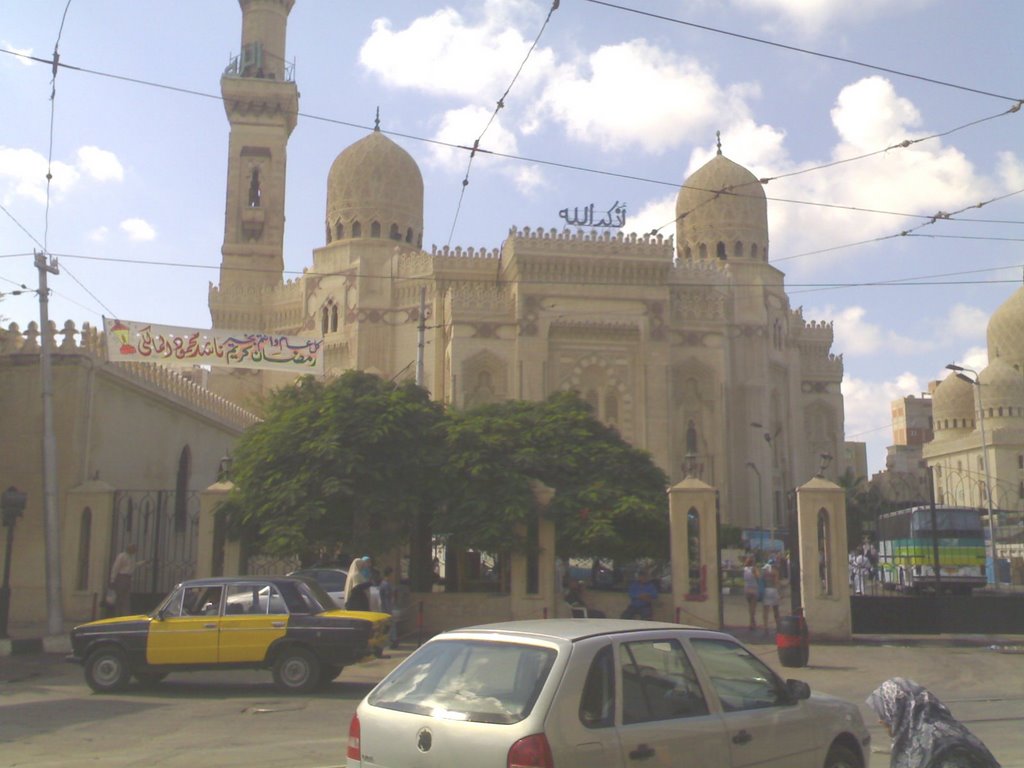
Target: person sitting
column 642, row 593
column 924, row 732
column 577, row 601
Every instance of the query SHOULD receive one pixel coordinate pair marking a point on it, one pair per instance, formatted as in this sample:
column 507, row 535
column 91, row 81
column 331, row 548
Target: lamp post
column 12, row 504
column 961, row 372
column 760, row 506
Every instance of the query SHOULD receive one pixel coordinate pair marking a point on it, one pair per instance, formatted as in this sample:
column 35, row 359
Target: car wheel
column 842, row 757
column 149, row 679
column 329, row 673
column 296, row 670
column 106, row 670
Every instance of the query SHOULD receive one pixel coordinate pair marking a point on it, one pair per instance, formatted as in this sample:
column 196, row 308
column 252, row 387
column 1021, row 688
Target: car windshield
column 474, row 680
column 314, row 597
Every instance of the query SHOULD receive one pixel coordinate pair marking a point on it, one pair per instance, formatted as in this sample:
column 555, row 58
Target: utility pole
column 421, row 340
column 51, row 520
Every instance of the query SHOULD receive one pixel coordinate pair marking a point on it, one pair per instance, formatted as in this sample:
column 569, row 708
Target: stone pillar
column 209, row 501
column 85, row 601
column 543, row 602
column 697, row 604
column 824, row 561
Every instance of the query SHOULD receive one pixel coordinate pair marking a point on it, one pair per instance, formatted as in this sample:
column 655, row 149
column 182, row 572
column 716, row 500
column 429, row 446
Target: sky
column 870, row 118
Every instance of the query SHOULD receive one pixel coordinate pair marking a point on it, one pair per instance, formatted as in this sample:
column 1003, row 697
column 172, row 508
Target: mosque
column 688, row 346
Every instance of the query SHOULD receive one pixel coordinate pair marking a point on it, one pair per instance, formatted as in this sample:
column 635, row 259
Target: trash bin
column 792, row 642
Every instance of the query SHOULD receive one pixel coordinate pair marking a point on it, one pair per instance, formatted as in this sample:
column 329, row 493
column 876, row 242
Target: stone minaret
column 261, row 101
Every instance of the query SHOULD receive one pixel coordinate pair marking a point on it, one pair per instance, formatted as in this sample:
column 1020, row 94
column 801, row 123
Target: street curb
column 26, row 646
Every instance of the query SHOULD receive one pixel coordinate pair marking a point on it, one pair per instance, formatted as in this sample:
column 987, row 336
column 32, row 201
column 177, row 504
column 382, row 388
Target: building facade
column 689, row 346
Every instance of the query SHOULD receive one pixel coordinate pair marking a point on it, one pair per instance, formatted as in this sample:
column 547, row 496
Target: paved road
column 48, row 717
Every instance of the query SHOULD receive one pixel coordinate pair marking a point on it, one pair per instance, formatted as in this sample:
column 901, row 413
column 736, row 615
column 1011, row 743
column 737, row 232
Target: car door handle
column 642, row 752
column 742, row 738
column 277, row 623
column 211, row 625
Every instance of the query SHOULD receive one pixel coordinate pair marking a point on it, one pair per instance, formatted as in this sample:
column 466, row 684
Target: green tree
column 353, row 461
column 610, row 498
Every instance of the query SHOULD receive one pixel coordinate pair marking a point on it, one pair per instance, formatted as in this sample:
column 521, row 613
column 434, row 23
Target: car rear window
column 474, row 680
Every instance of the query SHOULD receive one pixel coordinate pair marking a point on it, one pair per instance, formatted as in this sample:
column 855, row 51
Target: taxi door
column 186, row 632
column 254, row 617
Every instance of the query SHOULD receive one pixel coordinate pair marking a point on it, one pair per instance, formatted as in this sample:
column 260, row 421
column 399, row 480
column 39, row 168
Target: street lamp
column 760, row 506
column 961, row 372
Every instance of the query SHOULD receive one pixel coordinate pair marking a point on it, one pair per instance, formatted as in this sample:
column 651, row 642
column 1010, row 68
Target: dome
column 1006, row 330
column 375, row 189
column 724, row 226
column 1002, row 390
column 953, row 411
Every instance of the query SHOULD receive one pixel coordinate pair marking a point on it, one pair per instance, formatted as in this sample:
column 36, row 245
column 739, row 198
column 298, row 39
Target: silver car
column 598, row 693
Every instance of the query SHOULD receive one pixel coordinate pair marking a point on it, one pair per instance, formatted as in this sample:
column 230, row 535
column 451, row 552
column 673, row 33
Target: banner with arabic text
column 129, row 341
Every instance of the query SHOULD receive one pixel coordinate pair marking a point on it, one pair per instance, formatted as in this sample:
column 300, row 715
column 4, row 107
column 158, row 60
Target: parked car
column 598, row 692
column 331, row 579
column 289, row 625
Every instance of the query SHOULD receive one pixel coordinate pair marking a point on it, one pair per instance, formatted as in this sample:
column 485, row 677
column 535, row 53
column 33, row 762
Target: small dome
column 1006, row 330
column 1002, row 391
column 953, row 411
column 375, row 189
column 721, row 212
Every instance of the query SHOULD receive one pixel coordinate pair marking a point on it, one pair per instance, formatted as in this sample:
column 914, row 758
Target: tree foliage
column 352, row 460
column 610, row 498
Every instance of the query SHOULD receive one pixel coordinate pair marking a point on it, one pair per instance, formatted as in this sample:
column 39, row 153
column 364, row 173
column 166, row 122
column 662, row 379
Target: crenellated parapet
column 829, row 366
column 527, row 240
column 90, row 341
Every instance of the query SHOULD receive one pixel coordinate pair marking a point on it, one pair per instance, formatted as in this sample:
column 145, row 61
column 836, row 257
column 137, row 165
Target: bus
column 906, row 549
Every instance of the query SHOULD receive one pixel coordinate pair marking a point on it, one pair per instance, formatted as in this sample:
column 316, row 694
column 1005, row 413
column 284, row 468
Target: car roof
column 575, row 629
column 215, row 580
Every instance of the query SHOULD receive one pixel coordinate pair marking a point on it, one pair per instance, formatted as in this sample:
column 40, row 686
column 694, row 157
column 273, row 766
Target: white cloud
column 867, row 407
column 966, row 322
column 923, row 179
column 22, row 53
column 23, row 174
column 99, row 234
column 100, row 164
column 635, row 94
column 138, row 230
column 1011, row 171
column 811, row 16
column 443, row 54
column 854, row 336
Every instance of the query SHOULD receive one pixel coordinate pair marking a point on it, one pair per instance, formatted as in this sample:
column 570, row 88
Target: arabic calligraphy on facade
column 171, row 345
column 614, row 217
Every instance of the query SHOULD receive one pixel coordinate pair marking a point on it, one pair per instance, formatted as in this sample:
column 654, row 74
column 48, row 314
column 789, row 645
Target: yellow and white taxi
column 286, row 624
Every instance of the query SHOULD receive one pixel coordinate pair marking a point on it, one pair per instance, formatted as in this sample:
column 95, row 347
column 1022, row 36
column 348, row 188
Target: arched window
column 824, row 551
column 737, row 250
column 84, row 547
column 753, row 251
column 375, row 229
column 691, row 439
column 687, row 253
column 696, row 587
column 357, row 229
column 181, row 490
column 339, row 231
column 703, row 251
column 334, row 317
column 328, row 232
column 611, row 408
column 408, row 235
column 395, row 234
column 324, row 320
column 720, row 250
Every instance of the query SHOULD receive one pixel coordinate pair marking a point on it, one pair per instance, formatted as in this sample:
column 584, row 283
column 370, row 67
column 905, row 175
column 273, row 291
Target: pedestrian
column 358, row 583
column 751, row 589
column 577, row 600
column 860, row 566
column 642, row 593
column 924, row 733
column 771, row 599
column 121, row 573
column 387, row 603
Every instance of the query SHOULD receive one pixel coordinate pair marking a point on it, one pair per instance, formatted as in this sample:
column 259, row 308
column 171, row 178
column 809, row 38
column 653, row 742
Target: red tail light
column 531, row 752
column 354, row 752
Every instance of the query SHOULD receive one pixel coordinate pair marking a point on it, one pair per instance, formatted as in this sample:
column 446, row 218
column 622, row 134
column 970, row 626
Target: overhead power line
column 796, row 49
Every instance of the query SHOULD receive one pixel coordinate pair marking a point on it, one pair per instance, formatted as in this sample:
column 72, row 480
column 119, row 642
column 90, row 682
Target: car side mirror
column 798, row 689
